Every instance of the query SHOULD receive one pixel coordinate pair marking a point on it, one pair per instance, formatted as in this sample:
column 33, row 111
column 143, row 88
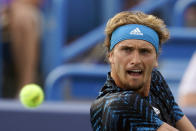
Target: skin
column 188, row 100
column 30, row 2
column 181, row 125
column 131, row 55
column 25, row 36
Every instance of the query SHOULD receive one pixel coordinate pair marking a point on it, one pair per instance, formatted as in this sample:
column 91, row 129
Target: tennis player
column 135, row 96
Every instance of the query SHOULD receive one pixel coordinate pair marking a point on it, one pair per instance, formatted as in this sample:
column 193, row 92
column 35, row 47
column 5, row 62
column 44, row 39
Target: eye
column 127, row 49
column 145, row 51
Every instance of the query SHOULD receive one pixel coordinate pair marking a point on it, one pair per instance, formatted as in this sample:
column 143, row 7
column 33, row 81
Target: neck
column 145, row 90
column 115, row 78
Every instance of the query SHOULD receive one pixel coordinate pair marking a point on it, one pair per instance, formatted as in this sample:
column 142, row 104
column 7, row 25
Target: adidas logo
column 136, row 31
column 157, row 111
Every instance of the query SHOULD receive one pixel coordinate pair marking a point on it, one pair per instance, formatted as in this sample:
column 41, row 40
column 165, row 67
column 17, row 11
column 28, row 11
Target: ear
column 110, row 57
column 156, row 63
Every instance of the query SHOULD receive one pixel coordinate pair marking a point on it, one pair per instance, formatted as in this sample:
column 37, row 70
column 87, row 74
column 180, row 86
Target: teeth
column 136, row 71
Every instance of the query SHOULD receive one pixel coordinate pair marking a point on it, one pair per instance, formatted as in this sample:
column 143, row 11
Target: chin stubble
column 133, row 88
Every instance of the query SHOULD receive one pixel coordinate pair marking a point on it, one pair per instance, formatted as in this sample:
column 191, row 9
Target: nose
column 135, row 58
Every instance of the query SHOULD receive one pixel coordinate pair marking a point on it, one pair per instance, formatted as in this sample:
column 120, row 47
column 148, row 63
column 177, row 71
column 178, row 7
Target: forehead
column 134, row 42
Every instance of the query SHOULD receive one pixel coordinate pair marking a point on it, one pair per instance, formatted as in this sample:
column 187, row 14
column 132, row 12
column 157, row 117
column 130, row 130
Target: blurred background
column 58, row 45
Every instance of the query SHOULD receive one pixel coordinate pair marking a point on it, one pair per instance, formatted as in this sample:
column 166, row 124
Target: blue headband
column 134, row 31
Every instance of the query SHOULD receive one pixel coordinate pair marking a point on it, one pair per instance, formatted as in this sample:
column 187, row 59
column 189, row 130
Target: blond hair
column 124, row 18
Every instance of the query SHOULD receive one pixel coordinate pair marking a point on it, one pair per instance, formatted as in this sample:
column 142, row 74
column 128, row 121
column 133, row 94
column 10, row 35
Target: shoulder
column 118, row 98
column 123, row 110
column 160, row 88
column 159, row 83
column 125, row 102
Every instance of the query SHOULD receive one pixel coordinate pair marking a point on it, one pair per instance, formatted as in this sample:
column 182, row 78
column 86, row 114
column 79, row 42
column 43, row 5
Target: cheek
column 151, row 62
column 119, row 64
column 120, row 61
column 116, row 63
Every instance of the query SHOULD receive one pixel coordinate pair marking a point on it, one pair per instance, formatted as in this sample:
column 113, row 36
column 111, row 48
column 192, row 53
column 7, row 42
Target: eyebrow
column 123, row 46
column 126, row 46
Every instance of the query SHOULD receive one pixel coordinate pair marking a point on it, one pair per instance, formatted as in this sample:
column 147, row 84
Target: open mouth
column 135, row 72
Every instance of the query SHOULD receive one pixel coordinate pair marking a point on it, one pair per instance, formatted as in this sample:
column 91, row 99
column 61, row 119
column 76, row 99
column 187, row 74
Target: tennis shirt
column 116, row 109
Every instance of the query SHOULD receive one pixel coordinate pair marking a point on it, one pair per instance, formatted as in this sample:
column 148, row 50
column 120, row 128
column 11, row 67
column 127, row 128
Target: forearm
column 166, row 127
column 185, row 125
column 182, row 125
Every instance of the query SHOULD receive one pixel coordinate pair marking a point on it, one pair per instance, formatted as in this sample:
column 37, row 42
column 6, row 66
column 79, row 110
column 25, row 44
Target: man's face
column 132, row 62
